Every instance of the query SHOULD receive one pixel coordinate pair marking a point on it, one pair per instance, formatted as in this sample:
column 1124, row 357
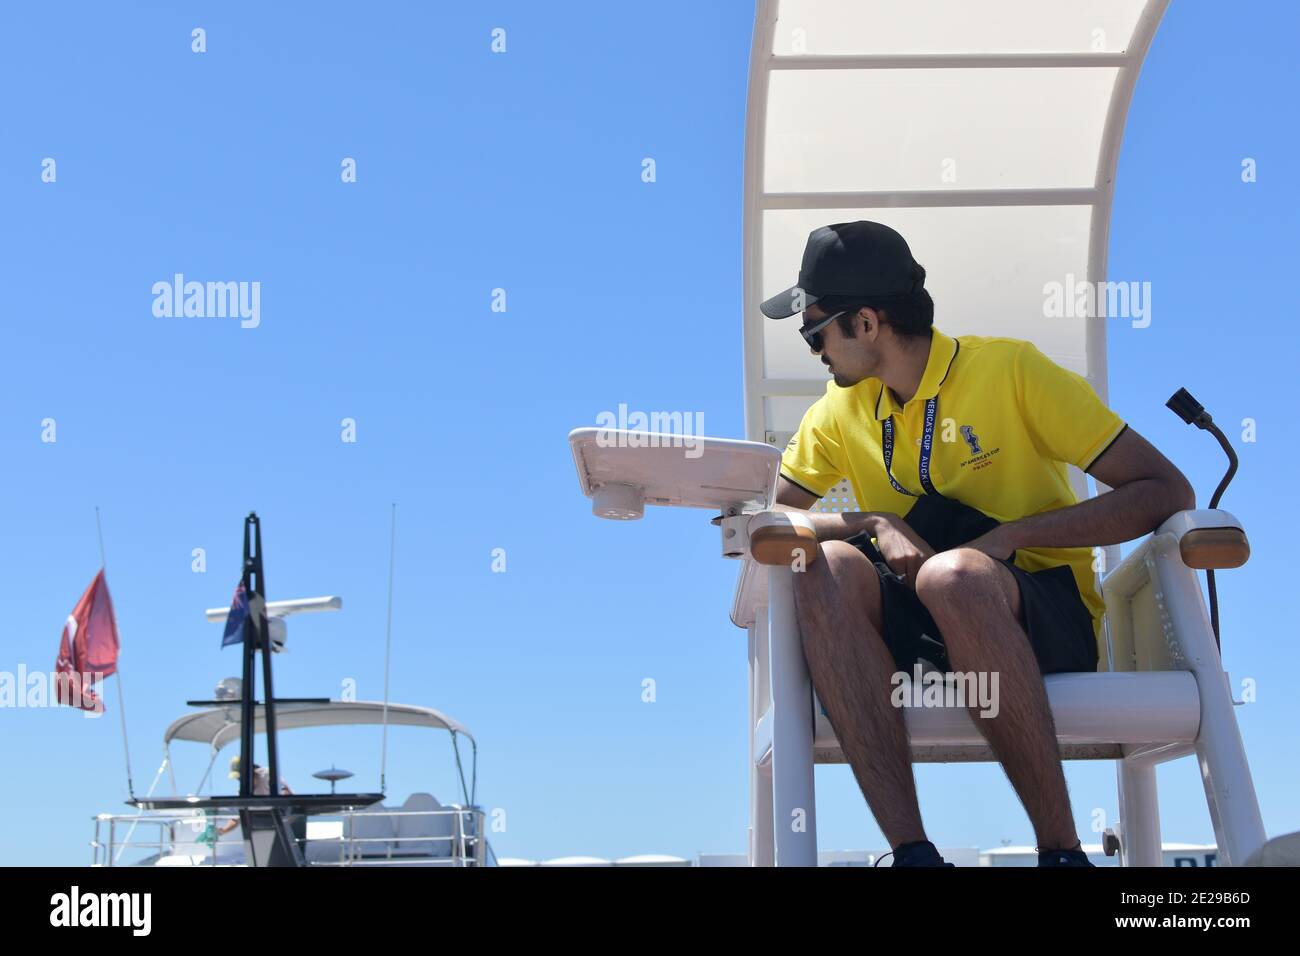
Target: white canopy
column 219, row 726
column 986, row 133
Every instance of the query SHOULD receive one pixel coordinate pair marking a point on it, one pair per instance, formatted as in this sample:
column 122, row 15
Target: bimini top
column 986, row 133
column 219, row 726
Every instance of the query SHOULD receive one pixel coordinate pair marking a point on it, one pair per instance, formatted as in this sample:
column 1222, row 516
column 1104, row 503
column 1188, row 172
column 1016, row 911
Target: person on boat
column 261, row 787
column 975, row 554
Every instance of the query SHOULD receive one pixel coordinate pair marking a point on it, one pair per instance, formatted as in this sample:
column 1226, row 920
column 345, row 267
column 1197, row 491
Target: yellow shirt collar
column 943, row 349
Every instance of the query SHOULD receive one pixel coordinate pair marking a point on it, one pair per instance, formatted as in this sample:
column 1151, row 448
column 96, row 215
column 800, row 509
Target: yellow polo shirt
column 1009, row 420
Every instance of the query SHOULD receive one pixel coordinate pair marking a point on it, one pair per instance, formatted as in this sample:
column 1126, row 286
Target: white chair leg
column 794, row 814
column 1139, row 814
column 1229, row 788
column 1225, row 774
column 762, row 850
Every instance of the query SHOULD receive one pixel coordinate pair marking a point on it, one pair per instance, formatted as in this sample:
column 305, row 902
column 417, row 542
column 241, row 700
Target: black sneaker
column 921, row 853
column 1064, row 858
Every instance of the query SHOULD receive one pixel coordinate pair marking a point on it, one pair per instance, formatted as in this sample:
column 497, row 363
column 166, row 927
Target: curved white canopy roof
column 219, row 726
column 986, row 133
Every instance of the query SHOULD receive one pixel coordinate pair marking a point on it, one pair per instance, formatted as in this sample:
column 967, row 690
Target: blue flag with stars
column 236, row 618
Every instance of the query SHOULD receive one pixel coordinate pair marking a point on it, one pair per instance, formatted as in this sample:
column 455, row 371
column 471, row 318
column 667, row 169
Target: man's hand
column 901, row 547
column 997, row 543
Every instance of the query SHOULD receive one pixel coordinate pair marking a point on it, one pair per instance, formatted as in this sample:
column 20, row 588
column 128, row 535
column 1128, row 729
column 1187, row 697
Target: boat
column 418, row 831
column 200, row 828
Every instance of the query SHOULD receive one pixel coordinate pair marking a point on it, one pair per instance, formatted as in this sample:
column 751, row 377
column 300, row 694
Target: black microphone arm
column 1182, row 404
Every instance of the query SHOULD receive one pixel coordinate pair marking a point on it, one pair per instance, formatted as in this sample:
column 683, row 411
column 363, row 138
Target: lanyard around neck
column 927, row 442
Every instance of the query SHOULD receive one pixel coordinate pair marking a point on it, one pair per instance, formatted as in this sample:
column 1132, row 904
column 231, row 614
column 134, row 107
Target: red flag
column 88, row 651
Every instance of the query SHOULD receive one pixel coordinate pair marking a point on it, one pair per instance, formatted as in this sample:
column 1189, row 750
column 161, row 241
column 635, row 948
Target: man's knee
column 961, row 577
column 840, row 567
column 842, row 575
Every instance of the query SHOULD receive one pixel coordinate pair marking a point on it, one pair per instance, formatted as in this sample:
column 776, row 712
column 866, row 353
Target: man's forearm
column 1120, row 515
column 837, row 526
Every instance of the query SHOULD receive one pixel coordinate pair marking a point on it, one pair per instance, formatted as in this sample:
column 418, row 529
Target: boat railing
column 167, row 833
column 447, row 836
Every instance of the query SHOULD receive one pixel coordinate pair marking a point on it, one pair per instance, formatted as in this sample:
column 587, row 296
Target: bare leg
column 975, row 601
column 838, row 602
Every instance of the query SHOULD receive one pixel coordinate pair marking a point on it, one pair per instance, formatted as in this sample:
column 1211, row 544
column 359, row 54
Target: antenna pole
column 121, row 694
column 99, row 529
column 388, row 648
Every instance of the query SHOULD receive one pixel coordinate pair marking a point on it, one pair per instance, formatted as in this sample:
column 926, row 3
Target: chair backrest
column 988, row 136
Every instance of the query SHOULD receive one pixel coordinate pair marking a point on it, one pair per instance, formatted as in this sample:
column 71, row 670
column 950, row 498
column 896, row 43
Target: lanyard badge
column 927, row 444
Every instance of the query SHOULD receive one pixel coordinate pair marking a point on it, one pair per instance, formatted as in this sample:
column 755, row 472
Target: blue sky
column 520, row 171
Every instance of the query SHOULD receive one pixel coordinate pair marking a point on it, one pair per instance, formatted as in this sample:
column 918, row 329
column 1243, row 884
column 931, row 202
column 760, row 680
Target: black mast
column 256, row 637
column 274, row 825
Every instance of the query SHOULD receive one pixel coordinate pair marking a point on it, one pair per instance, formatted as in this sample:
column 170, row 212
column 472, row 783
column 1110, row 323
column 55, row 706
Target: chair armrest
column 1208, row 538
column 1155, row 612
column 782, row 538
column 1199, row 536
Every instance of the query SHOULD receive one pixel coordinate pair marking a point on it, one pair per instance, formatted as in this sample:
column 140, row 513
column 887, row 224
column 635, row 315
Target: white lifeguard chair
column 988, row 135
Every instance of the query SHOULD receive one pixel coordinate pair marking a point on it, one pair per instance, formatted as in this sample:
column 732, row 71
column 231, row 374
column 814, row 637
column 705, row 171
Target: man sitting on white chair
column 982, row 553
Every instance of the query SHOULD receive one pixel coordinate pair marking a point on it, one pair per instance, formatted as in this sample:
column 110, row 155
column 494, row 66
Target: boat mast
column 256, row 637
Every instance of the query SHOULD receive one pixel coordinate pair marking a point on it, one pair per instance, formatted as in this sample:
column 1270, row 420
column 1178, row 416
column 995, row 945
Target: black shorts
column 1057, row 621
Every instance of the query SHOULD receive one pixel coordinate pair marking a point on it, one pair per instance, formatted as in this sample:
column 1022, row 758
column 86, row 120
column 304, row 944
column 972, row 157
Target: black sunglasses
column 812, row 334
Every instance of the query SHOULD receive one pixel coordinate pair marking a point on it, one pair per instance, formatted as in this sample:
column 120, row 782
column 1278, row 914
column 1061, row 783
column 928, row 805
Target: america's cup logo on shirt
column 968, row 433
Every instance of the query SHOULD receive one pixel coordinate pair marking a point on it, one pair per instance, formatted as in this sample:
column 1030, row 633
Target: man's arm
column 901, row 547
column 1146, row 489
column 829, row 527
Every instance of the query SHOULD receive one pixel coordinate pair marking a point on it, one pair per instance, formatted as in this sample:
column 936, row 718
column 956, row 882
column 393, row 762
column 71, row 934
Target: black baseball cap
column 861, row 259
